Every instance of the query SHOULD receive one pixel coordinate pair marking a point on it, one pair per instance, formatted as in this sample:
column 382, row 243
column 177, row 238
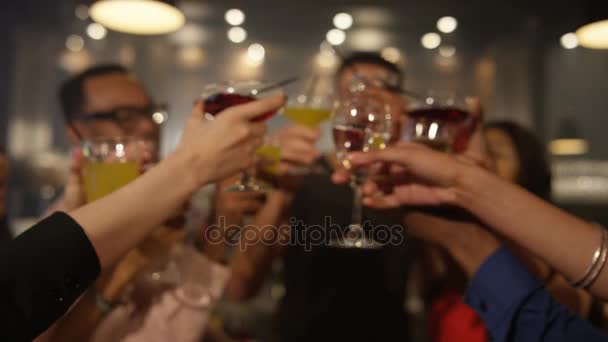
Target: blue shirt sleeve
column 515, row 306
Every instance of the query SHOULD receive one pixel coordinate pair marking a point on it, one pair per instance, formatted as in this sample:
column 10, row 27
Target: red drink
column 349, row 138
column 216, row 103
column 450, row 115
column 440, row 128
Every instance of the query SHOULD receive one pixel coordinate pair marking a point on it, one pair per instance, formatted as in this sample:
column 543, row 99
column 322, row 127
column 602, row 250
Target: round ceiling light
column 144, row 17
column 594, row 35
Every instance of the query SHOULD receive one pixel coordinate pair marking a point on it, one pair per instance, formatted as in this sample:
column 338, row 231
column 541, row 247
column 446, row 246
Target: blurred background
column 519, row 56
column 522, row 58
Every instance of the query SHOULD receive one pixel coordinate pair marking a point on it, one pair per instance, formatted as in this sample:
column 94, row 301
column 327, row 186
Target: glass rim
column 441, row 98
column 206, row 92
column 110, row 140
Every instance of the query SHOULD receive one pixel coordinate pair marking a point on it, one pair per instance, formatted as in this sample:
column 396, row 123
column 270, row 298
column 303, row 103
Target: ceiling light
column 568, row 140
column 431, row 40
column 569, row 41
column 145, row 17
column 594, row 35
column 368, row 39
column 74, row 43
column 237, row 34
column 568, row 147
column 335, row 36
column 391, row 54
column 447, row 24
column 96, row 31
column 256, row 54
column 190, row 34
column 234, row 17
column 447, row 51
column 343, row 21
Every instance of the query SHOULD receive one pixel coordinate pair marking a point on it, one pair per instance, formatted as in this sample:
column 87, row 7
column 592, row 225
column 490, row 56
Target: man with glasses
column 107, row 101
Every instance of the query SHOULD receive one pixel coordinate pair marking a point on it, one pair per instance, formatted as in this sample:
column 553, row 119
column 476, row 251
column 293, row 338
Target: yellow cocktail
column 307, row 116
column 270, row 158
column 100, row 179
column 110, row 163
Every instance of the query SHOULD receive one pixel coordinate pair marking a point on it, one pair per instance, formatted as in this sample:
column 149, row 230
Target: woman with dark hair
column 519, row 157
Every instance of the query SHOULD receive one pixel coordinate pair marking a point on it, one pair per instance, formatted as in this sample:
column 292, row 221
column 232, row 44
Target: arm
column 254, row 255
column 515, row 306
column 425, row 177
column 253, row 259
column 61, row 256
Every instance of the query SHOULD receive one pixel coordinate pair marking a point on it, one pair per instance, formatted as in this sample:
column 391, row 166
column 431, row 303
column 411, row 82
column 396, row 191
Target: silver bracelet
column 600, row 265
column 594, row 262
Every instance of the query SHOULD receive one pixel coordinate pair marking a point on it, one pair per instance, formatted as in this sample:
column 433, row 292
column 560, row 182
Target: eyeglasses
column 128, row 117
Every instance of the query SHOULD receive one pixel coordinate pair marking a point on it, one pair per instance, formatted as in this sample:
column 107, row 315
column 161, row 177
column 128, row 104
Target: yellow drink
column 101, row 179
column 270, row 156
column 375, row 142
column 307, row 116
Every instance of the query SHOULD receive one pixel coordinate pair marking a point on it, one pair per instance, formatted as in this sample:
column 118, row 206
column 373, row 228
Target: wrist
column 471, row 183
column 471, row 249
column 186, row 168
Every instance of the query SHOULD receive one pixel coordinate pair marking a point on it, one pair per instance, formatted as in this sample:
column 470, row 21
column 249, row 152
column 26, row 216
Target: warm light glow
column 326, row 60
column 237, row 34
column 82, row 12
column 145, row 17
column 158, row 118
column 234, row 17
column 190, row 34
column 569, row 41
column 391, row 54
column 74, row 43
column 256, row 54
column 563, row 147
column 368, row 39
column 335, row 36
column 447, row 51
column 431, row 40
column 447, row 24
column 325, row 47
column 191, row 56
column 74, row 62
column 96, row 31
column 343, row 21
column 594, row 35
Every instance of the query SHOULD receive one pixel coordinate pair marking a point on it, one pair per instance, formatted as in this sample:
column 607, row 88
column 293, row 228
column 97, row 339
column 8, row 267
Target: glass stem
column 357, row 214
column 245, row 178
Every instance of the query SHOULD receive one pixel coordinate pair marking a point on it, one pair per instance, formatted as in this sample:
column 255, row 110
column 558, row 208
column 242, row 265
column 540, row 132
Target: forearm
column 253, row 258
column 118, row 222
column 566, row 242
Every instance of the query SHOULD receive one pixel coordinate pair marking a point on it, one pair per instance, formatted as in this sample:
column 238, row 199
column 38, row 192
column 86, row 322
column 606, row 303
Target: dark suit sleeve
column 42, row 272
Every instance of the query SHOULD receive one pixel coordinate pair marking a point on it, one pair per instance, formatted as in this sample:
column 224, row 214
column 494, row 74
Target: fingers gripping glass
column 220, row 96
column 360, row 124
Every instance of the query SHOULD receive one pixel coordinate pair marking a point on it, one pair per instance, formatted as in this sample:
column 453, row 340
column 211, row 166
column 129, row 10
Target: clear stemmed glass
column 360, row 123
column 438, row 120
column 220, row 96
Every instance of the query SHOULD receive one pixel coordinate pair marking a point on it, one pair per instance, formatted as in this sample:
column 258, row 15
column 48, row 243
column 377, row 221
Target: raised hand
column 222, row 147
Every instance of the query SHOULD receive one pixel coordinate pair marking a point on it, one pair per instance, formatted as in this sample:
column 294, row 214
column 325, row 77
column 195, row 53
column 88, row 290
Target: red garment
column 451, row 320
